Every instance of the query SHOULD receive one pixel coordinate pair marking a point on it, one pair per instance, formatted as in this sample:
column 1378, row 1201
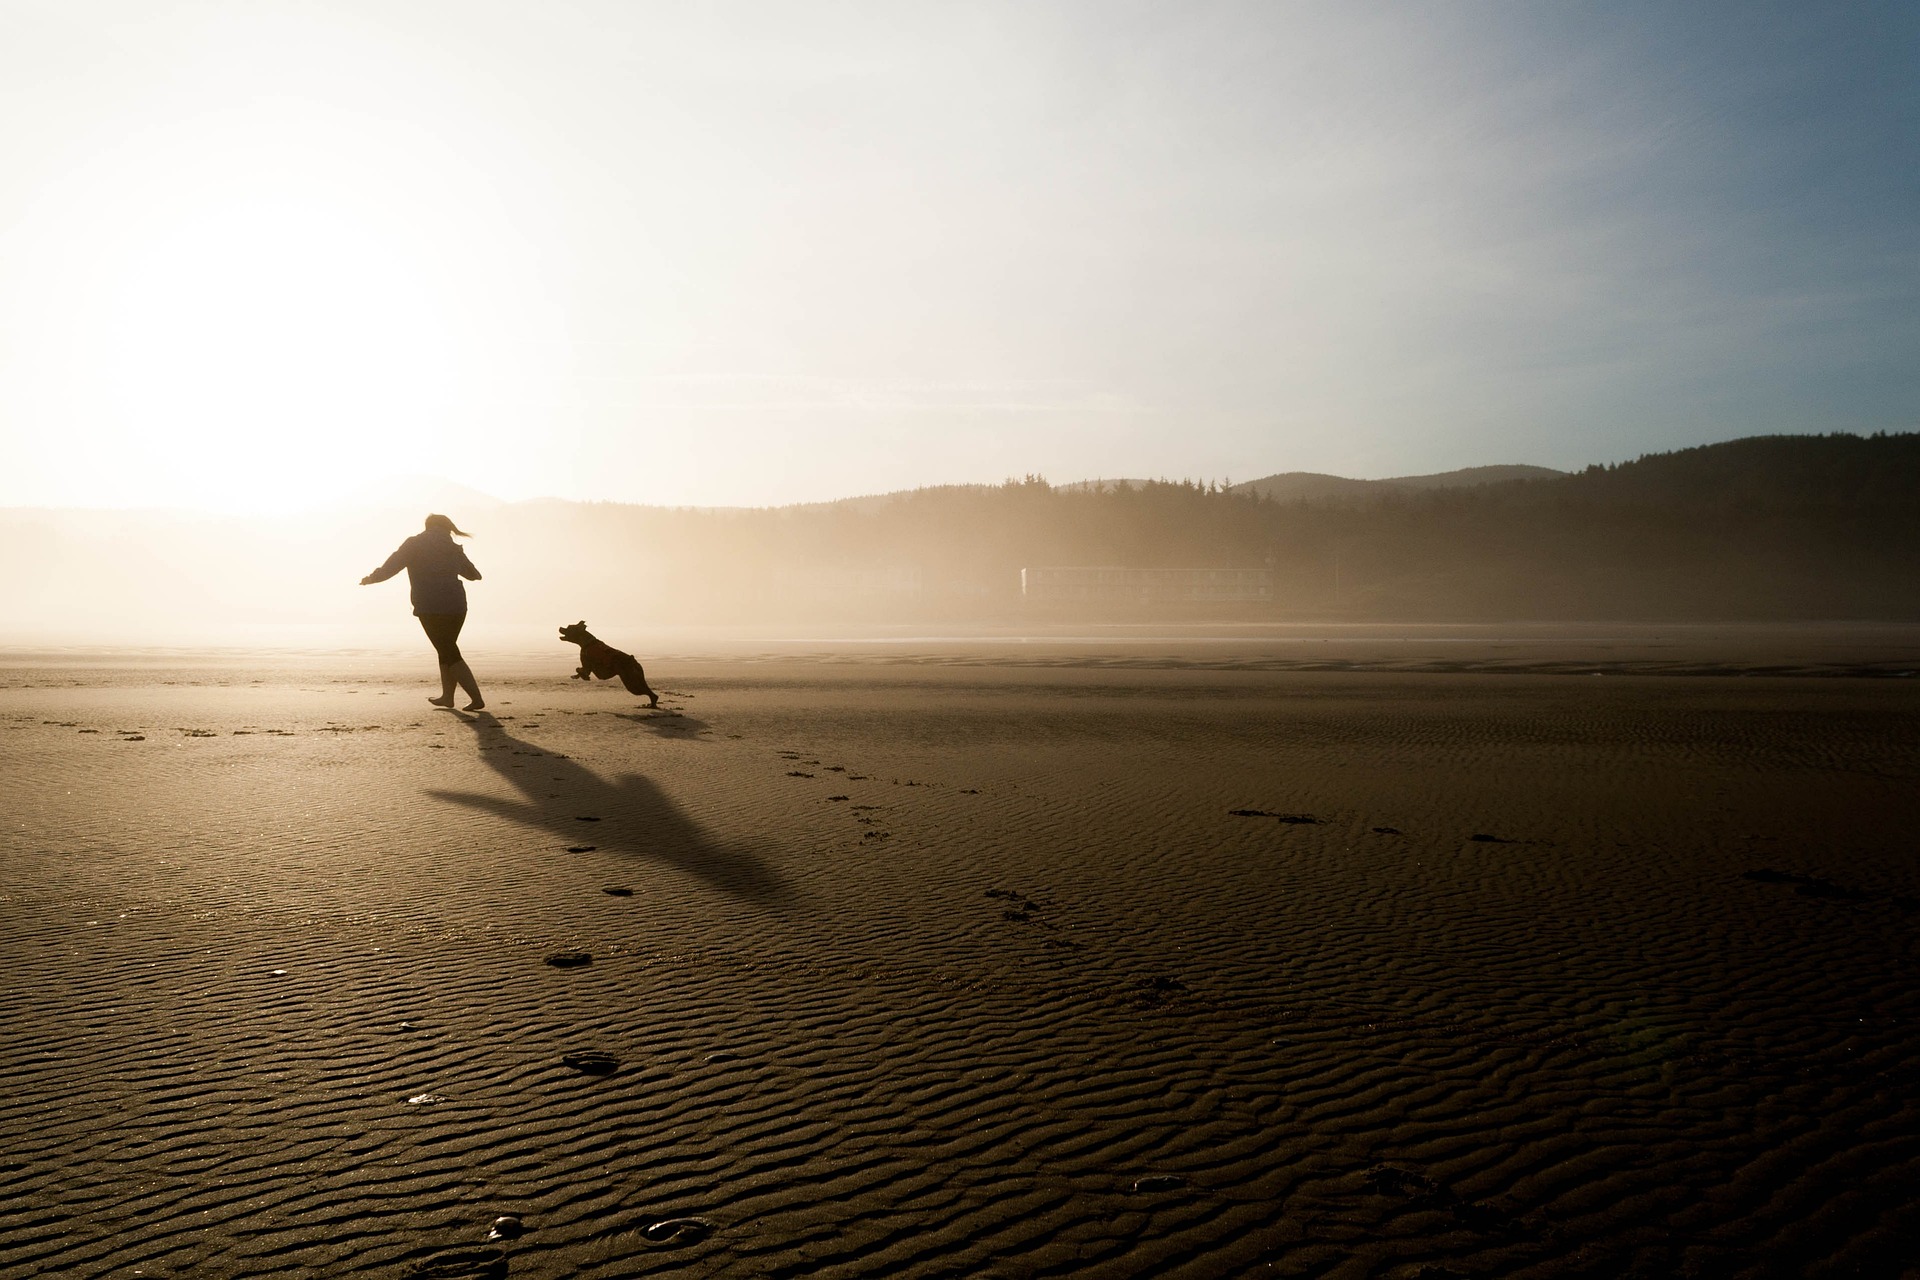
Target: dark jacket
column 435, row 563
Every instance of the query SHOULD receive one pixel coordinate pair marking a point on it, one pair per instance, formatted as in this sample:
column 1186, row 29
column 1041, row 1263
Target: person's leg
column 443, row 629
column 462, row 673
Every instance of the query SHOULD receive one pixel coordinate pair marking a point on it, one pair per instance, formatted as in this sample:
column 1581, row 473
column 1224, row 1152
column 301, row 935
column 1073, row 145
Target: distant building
column 1147, row 586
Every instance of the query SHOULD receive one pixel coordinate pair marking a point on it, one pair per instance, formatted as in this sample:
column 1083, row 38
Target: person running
column 435, row 563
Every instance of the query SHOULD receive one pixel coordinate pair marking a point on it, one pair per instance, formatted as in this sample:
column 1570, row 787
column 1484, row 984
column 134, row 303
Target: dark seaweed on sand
column 1295, row 819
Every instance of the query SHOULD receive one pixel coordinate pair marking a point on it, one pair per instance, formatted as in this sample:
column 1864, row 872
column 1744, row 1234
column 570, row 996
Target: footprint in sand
column 592, row 1062
column 677, row 1231
column 1386, row 831
column 795, row 773
column 1151, row 993
column 570, row 959
column 832, row 798
column 1422, row 1192
column 1022, row 909
column 1481, row 837
column 617, row 891
column 459, row 1264
column 1390, row 1180
column 1808, row 886
column 578, row 818
column 582, row 848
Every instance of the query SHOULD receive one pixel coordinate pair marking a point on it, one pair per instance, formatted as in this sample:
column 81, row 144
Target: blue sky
column 751, row 253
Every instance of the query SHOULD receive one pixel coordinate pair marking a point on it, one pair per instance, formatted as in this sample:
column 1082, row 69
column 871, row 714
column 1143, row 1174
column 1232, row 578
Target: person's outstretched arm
column 395, row 563
column 467, row 570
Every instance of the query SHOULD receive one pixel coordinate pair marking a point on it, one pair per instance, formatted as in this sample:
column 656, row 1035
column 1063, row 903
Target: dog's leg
column 634, row 676
column 638, row 676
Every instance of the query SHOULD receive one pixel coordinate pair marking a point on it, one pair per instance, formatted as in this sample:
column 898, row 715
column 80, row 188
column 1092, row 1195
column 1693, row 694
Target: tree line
column 1778, row 527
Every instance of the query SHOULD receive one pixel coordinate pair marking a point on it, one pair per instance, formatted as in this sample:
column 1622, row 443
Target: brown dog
column 597, row 658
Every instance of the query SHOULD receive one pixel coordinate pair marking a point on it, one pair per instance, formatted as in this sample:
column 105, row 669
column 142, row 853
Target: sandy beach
column 967, row 959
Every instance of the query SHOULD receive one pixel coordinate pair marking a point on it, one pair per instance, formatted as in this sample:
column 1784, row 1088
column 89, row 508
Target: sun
column 275, row 353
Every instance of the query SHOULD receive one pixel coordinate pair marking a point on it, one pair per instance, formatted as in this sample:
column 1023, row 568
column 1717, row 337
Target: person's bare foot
column 475, row 705
column 446, row 702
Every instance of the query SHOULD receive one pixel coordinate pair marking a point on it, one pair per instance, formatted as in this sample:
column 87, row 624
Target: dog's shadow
column 634, row 816
column 667, row 724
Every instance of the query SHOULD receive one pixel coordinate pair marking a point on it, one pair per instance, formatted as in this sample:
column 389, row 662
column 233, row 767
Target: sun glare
column 268, row 354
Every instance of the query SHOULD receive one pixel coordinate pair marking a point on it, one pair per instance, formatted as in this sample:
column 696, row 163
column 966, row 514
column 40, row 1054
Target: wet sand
column 942, row 960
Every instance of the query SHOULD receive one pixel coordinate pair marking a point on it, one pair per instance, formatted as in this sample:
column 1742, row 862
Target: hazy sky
column 255, row 253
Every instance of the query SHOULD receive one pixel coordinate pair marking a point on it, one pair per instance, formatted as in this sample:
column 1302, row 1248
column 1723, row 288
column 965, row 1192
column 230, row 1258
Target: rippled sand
column 960, row 964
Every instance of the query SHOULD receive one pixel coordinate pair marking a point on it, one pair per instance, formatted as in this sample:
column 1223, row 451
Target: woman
column 435, row 563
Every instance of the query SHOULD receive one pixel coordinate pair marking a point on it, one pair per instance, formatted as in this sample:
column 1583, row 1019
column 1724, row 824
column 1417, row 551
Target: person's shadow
column 634, row 816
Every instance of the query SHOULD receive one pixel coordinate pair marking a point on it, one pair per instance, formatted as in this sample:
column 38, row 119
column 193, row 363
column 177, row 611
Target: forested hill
column 1765, row 527
column 1800, row 527
column 1768, row 527
column 1782, row 474
column 1292, row 485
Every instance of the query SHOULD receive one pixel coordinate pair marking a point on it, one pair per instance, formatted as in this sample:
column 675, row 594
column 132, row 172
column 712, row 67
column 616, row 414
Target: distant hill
column 869, row 502
column 1844, row 475
column 1469, row 477
column 1778, row 527
column 1311, row 486
column 1287, row 486
column 1767, row 527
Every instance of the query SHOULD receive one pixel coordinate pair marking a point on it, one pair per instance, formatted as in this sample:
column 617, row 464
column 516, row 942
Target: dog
column 598, row 658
